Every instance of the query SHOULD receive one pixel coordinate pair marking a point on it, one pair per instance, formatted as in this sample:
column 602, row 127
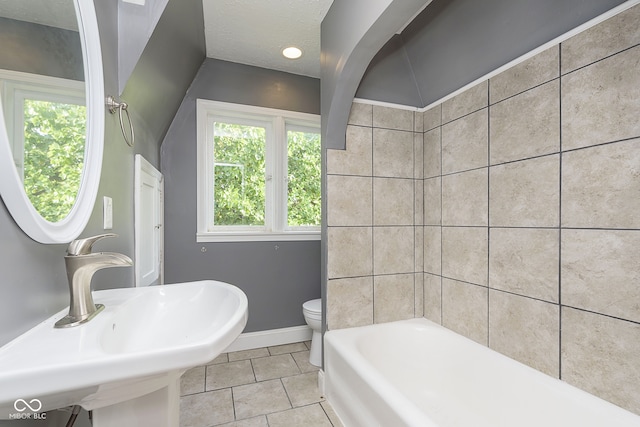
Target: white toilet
column 312, row 311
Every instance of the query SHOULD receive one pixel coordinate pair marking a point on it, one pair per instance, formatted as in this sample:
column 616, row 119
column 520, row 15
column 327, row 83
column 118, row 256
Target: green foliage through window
column 239, row 174
column 258, row 173
column 303, row 178
column 54, row 143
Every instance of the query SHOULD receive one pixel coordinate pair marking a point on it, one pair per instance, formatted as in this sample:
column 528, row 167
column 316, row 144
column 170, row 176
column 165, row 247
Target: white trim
column 270, row 170
column 386, row 104
column 142, row 169
column 257, row 237
column 321, row 382
column 276, row 123
column 38, row 79
column 251, row 340
column 587, row 25
column 278, row 196
column 203, row 158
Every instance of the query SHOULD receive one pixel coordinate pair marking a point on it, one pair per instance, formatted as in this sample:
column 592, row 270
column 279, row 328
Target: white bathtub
column 417, row 373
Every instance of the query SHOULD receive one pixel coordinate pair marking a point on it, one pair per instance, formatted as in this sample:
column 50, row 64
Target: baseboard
column 251, row 340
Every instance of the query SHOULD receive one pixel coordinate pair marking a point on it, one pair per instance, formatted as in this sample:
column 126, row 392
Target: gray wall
column 40, row 49
column 390, row 76
column 164, row 72
column 34, row 284
column 278, row 277
column 136, row 24
column 454, row 42
column 351, row 34
column 34, row 280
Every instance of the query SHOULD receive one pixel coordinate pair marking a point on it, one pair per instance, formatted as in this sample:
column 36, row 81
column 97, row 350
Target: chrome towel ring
column 114, row 106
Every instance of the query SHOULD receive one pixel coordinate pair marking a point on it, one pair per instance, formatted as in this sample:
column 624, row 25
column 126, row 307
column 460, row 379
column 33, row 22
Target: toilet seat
column 313, row 307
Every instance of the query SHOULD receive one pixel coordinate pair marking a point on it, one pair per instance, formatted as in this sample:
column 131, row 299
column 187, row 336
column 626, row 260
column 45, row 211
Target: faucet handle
column 83, row 246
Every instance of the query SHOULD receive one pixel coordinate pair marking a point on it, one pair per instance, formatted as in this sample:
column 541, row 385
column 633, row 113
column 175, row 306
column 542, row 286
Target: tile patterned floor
column 264, row 387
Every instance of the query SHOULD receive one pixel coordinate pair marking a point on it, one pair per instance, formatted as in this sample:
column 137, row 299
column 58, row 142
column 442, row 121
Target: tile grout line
column 253, row 370
column 421, row 225
column 415, row 228
column 326, row 415
column 440, row 227
column 535, row 86
column 205, row 376
column 373, row 286
column 604, row 58
column 233, row 405
column 560, row 212
column 584, row 310
column 372, row 216
column 286, row 392
column 488, row 211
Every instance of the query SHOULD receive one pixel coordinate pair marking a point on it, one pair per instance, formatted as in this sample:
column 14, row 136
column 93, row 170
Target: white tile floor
column 264, row 387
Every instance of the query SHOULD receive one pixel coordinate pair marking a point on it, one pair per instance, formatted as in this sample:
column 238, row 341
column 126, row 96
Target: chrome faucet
column 81, row 264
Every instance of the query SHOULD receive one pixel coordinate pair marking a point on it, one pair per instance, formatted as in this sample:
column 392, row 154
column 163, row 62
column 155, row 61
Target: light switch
column 107, row 210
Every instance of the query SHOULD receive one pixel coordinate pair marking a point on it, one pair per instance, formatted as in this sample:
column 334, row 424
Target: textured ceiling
column 53, row 13
column 254, row 32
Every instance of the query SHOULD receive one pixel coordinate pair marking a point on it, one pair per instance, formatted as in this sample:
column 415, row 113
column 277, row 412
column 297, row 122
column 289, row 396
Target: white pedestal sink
column 126, row 363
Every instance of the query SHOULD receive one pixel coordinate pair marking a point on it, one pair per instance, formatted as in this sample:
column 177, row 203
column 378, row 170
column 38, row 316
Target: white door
column 149, row 223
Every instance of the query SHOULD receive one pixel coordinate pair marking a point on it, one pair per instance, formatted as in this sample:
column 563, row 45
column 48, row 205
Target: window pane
column 303, row 200
column 54, row 136
column 239, row 174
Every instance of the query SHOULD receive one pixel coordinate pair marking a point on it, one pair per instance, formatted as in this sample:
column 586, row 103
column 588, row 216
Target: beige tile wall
column 375, row 192
column 509, row 213
column 532, row 211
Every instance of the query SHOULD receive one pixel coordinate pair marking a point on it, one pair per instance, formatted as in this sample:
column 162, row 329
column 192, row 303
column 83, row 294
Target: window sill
column 257, row 237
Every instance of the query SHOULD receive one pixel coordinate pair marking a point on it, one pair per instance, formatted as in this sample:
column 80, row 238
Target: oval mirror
column 51, row 115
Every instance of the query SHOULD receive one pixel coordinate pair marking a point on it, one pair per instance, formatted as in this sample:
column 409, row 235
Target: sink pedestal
column 160, row 408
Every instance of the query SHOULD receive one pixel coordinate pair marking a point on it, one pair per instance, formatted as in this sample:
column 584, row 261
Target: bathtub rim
column 351, row 407
column 343, row 342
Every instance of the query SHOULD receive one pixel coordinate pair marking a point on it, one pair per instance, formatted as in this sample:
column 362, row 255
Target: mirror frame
column 11, row 188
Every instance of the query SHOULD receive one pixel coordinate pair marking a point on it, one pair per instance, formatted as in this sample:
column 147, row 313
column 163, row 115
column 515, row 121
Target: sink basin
column 144, row 338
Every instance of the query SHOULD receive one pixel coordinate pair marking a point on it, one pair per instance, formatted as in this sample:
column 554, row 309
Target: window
column 46, row 126
column 258, row 173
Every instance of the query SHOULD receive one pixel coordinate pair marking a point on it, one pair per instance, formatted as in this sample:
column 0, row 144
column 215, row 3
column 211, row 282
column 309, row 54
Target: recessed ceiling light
column 292, row 52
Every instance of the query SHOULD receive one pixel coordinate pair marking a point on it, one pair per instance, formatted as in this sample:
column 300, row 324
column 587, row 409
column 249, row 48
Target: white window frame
column 18, row 86
column 276, row 122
